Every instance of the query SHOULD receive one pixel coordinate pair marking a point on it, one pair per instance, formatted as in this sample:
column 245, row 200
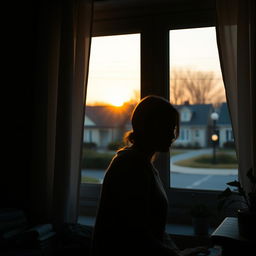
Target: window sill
column 172, row 229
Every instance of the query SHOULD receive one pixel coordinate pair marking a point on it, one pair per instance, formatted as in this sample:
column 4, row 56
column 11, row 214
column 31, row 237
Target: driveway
column 190, row 170
column 186, row 177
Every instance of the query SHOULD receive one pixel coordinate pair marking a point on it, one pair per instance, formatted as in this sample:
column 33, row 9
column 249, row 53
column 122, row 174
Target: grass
column 96, row 160
column 175, row 152
column 86, row 179
column 223, row 161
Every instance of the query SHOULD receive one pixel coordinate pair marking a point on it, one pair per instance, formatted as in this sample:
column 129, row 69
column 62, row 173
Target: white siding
column 88, row 121
column 225, row 134
column 91, row 135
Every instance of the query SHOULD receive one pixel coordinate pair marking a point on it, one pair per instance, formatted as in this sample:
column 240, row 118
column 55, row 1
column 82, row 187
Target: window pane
column 204, row 156
column 113, row 90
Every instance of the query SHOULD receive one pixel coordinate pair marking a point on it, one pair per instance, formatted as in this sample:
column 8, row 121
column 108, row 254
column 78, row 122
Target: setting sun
column 117, row 99
column 117, row 102
column 114, row 72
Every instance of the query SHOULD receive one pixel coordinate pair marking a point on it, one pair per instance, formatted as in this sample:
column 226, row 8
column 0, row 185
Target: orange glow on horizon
column 116, row 100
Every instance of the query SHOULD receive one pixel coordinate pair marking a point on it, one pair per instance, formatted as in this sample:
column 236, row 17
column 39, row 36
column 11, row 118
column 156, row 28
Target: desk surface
column 228, row 229
column 232, row 243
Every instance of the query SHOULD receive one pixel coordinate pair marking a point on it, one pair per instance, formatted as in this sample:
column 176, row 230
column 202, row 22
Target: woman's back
column 133, row 206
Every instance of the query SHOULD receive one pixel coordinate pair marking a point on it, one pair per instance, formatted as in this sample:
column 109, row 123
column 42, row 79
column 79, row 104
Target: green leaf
column 226, row 193
column 234, row 183
column 225, row 203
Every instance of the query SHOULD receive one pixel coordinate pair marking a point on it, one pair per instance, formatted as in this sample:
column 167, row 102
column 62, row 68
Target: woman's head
column 155, row 124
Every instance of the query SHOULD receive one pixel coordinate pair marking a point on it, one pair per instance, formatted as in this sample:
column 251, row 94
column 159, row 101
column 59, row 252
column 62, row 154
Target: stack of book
column 40, row 236
column 16, row 233
column 13, row 222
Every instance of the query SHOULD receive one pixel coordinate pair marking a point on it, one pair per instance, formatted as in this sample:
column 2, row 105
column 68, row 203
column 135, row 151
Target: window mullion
column 155, row 76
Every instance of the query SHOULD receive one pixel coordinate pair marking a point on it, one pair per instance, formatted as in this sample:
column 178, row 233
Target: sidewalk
column 99, row 174
column 209, row 171
column 193, row 153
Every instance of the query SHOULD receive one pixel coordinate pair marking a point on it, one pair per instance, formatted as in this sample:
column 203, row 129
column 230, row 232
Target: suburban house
column 224, row 125
column 106, row 124
column 195, row 124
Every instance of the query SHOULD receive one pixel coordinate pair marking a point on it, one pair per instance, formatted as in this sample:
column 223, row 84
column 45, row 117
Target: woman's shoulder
column 130, row 167
column 130, row 160
column 131, row 156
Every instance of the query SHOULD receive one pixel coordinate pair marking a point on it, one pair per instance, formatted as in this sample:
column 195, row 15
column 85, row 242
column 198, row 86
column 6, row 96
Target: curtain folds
column 235, row 31
column 64, row 36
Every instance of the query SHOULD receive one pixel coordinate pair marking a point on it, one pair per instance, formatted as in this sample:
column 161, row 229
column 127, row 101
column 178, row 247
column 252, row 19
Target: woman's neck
column 147, row 151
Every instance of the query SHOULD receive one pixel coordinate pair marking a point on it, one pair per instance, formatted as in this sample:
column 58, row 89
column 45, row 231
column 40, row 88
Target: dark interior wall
column 18, row 83
column 25, row 37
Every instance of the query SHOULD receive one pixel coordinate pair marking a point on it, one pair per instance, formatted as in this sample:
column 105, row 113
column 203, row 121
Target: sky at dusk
column 114, row 71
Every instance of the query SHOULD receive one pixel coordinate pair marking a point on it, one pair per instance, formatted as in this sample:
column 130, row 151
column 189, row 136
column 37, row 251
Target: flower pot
column 246, row 223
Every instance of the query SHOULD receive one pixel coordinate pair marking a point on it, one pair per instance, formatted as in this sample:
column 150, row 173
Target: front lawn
column 223, row 161
column 175, row 152
column 86, row 179
column 96, row 160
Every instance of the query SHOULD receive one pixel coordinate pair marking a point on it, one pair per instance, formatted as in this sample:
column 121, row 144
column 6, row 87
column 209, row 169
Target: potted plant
column 246, row 213
column 200, row 219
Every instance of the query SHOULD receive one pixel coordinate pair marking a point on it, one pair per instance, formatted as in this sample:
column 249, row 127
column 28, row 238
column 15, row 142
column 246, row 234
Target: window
column 185, row 115
column 113, row 90
column 184, row 135
column 158, row 37
column 196, row 87
column 229, row 135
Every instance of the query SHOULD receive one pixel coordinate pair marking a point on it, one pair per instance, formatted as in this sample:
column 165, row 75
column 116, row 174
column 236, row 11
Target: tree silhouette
column 195, row 86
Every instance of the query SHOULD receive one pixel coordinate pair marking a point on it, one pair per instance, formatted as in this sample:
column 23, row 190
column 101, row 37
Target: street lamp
column 214, row 137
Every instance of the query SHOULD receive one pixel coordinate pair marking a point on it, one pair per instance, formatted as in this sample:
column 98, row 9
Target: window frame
column 154, row 26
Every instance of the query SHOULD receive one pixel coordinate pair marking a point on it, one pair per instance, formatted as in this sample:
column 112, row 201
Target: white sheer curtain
column 64, row 36
column 236, row 43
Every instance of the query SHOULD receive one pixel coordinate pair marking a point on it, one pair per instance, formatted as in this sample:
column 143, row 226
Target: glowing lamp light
column 214, row 116
column 215, row 137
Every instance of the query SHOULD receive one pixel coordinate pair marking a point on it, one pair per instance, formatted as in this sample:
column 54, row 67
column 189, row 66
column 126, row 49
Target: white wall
column 91, row 135
column 223, row 131
column 192, row 135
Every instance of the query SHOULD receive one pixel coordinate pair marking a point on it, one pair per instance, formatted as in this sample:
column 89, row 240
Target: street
column 199, row 178
column 184, row 177
column 184, row 180
column 198, row 181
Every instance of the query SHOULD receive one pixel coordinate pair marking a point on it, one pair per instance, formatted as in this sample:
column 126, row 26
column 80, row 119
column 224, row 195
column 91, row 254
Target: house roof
column 108, row 116
column 200, row 113
column 111, row 117
column 224, row 117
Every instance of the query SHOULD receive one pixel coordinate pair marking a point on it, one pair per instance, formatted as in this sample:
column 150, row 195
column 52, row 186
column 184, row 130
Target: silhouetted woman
column 133, row 207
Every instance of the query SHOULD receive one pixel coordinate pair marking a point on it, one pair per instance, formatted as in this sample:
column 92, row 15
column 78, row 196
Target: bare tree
column 136, row 97
column 178, row 91
column 197, row 87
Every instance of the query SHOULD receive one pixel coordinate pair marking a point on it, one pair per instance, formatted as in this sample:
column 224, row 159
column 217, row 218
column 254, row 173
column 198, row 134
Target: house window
column 187, row 133
column 113, row 90
column 196, row 87
column 184, row 135
column 88, row 135
column 229, row 135
column 185, row 115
